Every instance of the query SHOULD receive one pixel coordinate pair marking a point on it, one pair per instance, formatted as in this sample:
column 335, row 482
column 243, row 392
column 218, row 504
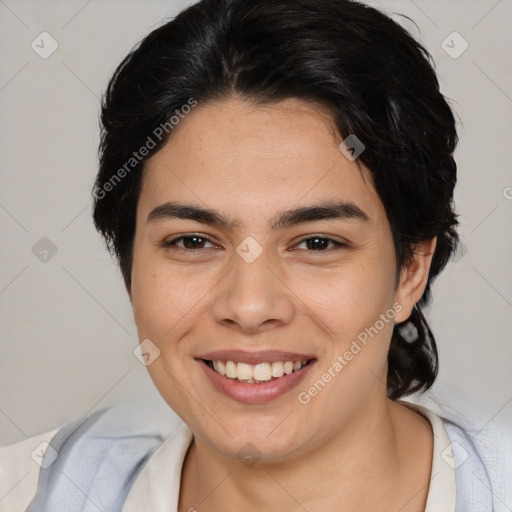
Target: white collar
column 157, row 486
column 442, row 491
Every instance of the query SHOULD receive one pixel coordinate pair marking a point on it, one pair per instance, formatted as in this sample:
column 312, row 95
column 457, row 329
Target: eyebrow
column 330, row 210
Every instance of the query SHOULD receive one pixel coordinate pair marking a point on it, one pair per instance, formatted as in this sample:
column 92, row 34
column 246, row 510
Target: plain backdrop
column 67, row 332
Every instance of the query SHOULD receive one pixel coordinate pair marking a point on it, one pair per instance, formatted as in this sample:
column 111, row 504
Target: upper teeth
column 261, row 372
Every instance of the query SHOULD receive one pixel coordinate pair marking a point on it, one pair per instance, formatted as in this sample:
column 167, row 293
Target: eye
column 190, row 242
column 320, row 243
column 194, row 241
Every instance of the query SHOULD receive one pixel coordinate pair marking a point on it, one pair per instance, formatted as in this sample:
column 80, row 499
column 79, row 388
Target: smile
column 258, row 373
column 255, row 377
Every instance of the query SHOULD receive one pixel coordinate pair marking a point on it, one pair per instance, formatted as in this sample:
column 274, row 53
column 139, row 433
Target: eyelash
column 171, row 244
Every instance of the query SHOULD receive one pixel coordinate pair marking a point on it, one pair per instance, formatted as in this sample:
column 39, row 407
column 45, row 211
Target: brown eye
column 189, row 242
column 319, row 243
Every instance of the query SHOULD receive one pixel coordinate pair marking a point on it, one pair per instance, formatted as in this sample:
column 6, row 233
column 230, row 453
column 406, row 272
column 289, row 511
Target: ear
column 413, row 278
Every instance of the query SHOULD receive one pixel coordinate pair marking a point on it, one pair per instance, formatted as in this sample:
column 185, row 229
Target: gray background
column 67, row 332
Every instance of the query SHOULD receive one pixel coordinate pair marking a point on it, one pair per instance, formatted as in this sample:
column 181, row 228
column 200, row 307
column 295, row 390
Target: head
column 221, row 122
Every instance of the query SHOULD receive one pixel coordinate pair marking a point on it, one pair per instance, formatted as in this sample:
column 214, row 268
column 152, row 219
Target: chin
column 257, row 439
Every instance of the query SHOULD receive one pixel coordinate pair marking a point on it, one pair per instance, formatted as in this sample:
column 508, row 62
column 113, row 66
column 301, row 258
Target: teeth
column 262, row 372
column 230, row 369
column 243, row 371
column 277, row 369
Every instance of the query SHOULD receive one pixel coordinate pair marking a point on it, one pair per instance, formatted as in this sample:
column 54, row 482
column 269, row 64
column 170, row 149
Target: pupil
column 317, row 243
column 194, row 244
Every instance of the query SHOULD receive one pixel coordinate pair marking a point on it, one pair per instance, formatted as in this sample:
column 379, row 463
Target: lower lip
column 255, row 393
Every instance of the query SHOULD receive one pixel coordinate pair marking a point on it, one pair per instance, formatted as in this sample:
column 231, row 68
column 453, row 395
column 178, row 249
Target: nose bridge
column 252, row 296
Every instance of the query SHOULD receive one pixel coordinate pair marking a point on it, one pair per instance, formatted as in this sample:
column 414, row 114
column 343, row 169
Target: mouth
column 255, row 377
column 260, row 373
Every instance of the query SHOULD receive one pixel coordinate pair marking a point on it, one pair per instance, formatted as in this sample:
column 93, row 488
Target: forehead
column 230, row 153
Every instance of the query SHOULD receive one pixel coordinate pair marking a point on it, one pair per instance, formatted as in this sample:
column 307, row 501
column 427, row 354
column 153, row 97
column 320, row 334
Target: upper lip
column 261, row 356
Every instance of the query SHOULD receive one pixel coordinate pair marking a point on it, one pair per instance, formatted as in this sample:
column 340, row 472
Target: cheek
column 164, row 297
column 351, row 301
column 347, row 297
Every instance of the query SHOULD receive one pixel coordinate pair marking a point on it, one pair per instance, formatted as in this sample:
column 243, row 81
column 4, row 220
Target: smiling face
column 250, row 283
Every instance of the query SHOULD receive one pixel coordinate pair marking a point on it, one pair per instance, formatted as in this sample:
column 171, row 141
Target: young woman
column 276, row 180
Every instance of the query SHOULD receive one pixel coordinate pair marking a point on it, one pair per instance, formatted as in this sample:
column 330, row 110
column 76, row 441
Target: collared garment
column 121, row 459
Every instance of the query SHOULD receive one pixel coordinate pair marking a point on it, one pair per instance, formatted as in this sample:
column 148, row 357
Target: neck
column 362, row 466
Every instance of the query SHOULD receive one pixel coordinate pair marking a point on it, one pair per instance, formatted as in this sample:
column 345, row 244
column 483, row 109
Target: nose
column 253, row 297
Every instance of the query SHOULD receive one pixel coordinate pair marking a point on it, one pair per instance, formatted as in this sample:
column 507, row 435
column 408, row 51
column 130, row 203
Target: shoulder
column 475, row 454
column 19, row 470
column 101, row 452
column 466, row 455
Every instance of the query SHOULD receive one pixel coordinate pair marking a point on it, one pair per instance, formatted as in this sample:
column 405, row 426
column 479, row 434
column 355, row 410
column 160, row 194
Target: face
column 247, row 289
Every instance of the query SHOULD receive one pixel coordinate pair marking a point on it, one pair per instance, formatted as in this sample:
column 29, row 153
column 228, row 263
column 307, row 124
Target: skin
column 350, row 448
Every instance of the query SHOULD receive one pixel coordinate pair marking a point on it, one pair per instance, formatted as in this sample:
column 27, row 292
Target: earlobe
column 414, row 277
